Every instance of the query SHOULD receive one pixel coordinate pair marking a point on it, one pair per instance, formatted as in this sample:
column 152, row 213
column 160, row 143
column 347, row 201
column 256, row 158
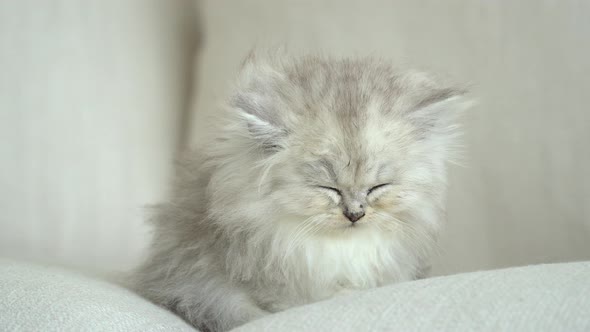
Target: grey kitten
column 325, row 176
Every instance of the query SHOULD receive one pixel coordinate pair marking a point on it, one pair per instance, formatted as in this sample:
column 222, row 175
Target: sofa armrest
column 39, row 298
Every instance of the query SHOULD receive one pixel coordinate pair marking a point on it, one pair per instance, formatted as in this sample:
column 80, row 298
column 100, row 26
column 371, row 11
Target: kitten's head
column 340, row 145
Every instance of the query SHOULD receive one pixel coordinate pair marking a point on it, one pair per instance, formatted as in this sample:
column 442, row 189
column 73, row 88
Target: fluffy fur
column 257, row 220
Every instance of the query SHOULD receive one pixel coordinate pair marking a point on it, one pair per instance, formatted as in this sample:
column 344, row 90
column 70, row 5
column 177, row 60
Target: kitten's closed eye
column 333, row 193
column 379, row 186
column 331, row 189
column 372, row 189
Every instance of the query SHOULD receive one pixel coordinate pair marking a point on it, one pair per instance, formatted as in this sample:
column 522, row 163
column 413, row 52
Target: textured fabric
column 37, row 298
column 536, row 298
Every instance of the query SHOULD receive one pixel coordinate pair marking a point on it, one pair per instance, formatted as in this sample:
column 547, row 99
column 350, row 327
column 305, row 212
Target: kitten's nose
column 354, row 216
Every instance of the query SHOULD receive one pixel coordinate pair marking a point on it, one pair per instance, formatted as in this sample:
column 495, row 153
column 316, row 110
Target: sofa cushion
column 40, row 298
column 552, row 297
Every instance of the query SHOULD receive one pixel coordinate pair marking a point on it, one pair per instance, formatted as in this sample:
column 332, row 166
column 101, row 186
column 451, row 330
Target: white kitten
column 324, row 176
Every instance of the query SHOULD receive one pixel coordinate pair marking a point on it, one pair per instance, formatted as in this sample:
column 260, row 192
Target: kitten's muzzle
column 354, row 216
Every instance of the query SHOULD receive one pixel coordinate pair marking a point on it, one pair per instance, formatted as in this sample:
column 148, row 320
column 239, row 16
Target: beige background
column 92, row 100
column 91, row 94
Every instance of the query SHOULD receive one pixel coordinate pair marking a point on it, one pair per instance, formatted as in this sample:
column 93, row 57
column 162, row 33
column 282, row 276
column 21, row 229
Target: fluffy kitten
column 325, row 176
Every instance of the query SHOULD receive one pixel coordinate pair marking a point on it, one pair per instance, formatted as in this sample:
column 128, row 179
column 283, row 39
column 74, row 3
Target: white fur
column 253, row 227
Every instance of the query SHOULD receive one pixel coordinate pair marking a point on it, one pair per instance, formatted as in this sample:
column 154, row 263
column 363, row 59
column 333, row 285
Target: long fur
column 253, row 226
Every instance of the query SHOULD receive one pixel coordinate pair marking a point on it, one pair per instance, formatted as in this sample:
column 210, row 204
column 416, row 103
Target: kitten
column 325, row 176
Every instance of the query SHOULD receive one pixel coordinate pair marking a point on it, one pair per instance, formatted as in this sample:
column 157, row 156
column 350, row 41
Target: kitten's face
column 346, row 145
column 349, row 179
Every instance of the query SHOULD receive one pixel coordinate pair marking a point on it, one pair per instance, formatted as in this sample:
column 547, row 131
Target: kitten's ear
column 265, row 132
column 439, row 113
column 257, row 105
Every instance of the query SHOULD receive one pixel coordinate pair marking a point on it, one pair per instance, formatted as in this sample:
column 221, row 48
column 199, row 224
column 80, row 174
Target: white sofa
column 553, row 297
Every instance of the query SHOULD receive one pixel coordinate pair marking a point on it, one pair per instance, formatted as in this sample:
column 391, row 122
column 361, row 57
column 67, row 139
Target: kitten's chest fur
column 280, row 276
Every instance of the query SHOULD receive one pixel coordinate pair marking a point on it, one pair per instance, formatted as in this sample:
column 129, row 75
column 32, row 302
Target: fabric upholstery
column 534, row 298
column 39, row 298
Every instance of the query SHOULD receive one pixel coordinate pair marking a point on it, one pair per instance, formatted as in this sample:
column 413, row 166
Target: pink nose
column 354, row 216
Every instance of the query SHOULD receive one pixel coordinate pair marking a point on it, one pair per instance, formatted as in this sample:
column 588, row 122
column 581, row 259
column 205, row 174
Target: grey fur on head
column 325, row 176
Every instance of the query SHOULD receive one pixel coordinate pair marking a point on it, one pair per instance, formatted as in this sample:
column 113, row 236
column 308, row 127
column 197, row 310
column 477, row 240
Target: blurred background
column 97, row 97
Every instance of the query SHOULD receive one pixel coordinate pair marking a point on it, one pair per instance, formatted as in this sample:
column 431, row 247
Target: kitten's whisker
column 299, row 229
column 313, row 224
column 416, row 236
column 421, row 236
column 308, row 225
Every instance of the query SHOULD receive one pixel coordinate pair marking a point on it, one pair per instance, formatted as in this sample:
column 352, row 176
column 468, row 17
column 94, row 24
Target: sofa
column 550, row 297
